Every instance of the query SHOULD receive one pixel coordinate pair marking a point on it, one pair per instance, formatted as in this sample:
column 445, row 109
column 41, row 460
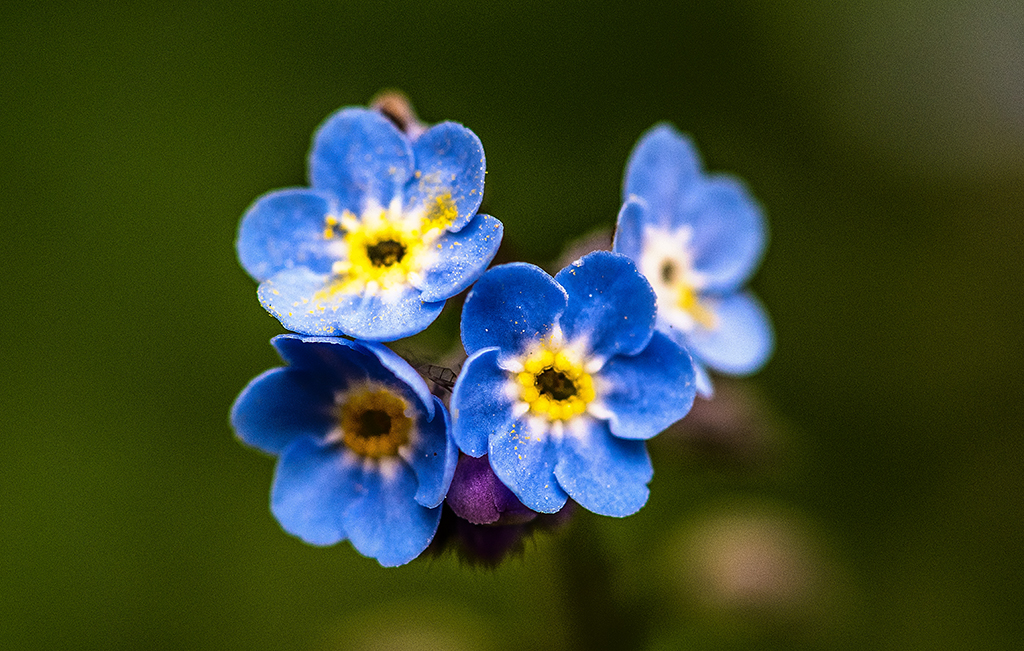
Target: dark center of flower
column 373, row 423
column 668, row 271
column 385, row 253
column 555, row 384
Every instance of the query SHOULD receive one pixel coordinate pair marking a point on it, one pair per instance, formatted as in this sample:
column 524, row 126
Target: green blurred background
column 882, row 507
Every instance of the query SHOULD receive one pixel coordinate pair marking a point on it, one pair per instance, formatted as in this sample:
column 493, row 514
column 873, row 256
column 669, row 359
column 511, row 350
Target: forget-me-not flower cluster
column 566, row 378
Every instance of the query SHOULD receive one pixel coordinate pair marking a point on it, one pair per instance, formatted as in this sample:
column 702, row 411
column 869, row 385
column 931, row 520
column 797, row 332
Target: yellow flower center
column 687, row 298
column 386, row 254
column 373, row 422
column 382, row 251
column 689, row 301
column 554, row 384
column 386, row 247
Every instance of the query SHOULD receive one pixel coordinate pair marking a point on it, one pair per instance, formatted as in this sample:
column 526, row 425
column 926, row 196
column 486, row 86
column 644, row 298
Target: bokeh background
column 863, row 491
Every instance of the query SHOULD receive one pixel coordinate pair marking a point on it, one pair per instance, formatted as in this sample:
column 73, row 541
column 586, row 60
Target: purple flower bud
column 478, row 496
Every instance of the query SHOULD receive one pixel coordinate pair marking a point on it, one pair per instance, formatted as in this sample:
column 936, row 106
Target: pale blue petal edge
column 743, row 340
column 629, row 228
column 663, row 166
column 705, row 388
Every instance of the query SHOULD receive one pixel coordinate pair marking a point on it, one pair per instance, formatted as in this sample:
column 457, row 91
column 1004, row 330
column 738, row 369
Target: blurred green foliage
column 886, row 143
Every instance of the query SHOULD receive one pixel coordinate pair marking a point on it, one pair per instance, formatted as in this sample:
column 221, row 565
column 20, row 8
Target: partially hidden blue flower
column 566, row 379
column 365, row 451
column 386, row 233
column 697, row 238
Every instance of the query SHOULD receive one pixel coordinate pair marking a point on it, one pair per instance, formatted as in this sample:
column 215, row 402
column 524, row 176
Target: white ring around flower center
column 667, row 261
column 555, row 386
column 378, row 450
column 384, row 249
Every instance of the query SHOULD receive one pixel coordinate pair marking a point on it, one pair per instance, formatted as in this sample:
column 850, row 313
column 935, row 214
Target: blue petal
column 434, row 457
column 663, row 167
column 296, row 298
column 312, row 488
column 648, row 392
column 461, row 258
column 511, row 306
column 344, row 362
column 729, row 233
column 361, row 157
column 481, row 407
column 611, row 304
column 390, row 366
column 629, row 228
column 604, row 474
column 284, row 229
column 387, row 523
column 702, row 380
column 339, row 361
column 281, row 405
column 449, row 161
column 525, row 462
column 743, row 340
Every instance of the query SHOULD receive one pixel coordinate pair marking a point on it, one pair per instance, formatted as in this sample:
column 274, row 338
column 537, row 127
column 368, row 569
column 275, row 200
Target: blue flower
column 697, row 238
column 365, row 451
column 566, row 379
column 386, row 233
